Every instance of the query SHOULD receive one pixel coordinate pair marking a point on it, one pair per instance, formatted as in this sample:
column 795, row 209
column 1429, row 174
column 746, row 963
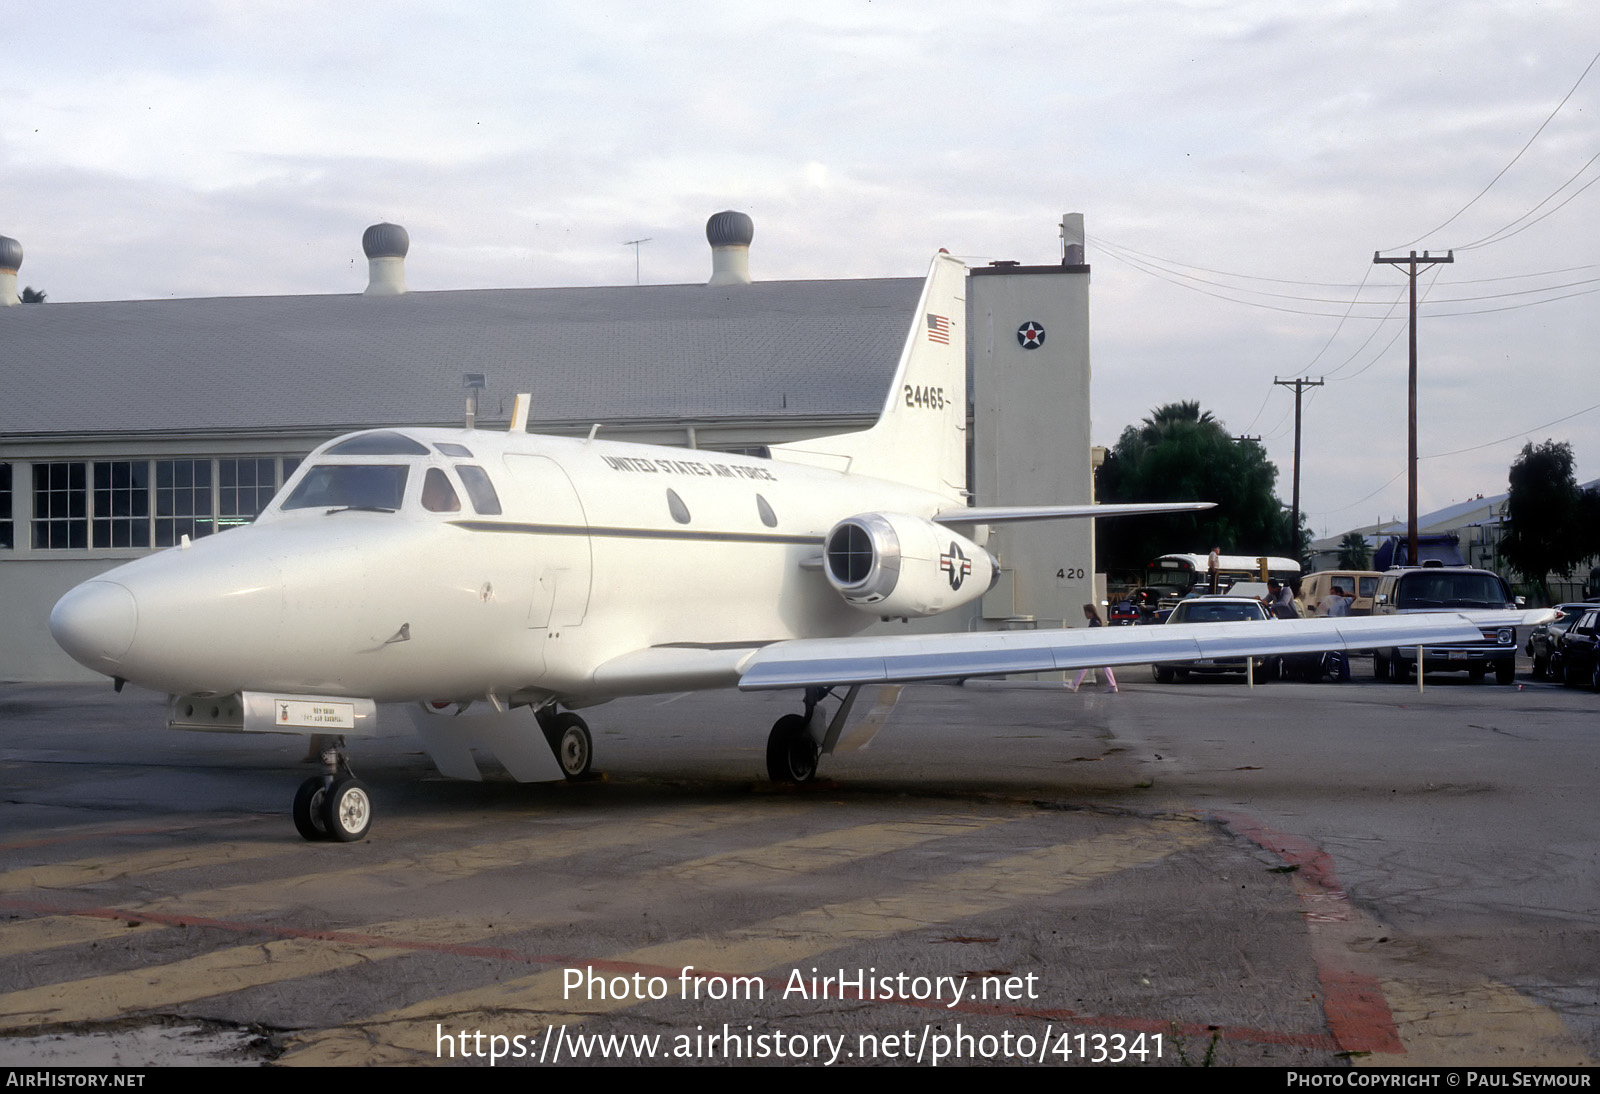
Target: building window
column 7, row 539
column 122, row 503
column 183, row 500
column 245, row 487
column 60, row 505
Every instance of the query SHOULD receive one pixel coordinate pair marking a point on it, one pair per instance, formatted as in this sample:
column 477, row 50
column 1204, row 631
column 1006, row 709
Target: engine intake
column 891, row 564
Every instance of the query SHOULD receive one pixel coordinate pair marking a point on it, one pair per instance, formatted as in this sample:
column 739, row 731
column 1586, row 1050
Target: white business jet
column 526, row 576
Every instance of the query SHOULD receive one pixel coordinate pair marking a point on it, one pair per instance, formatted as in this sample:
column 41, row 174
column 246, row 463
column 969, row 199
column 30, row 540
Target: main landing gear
column 569, row 739
column 334, row 805
column 793, row 747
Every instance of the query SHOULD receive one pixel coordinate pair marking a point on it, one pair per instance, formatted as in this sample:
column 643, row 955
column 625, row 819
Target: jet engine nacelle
column 891, row 564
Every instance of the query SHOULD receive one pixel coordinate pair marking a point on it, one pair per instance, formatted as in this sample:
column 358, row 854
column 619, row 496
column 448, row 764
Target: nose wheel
column 334, row 805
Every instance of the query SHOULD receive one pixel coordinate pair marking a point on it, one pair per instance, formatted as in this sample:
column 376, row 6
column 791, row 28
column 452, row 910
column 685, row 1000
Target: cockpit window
column 438, row 496
column 479, row 489
column 382, row 443
column 450, row 448
column 350, row 486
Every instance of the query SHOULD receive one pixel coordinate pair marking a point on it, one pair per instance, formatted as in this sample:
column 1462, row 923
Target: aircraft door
column 547, row 500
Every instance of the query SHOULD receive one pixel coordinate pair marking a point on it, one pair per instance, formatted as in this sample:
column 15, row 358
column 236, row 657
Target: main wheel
column 346, row 810
column 308, row 809
column 569, row 739
column 1505, row 672
column 791, row 753
column 1541, row 668
column 1402, row 671
column 1163, row 675
column 1380, row 666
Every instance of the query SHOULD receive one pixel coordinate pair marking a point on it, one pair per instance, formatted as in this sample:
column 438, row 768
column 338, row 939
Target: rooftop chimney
column 386, row 246
column 729, row 234
column 10, row 263
column 1072, row 239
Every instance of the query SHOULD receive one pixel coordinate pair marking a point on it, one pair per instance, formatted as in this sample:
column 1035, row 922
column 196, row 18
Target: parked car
column 1542, row 639
column 1216, row 609
column 1577, row 657
column 1442, row 589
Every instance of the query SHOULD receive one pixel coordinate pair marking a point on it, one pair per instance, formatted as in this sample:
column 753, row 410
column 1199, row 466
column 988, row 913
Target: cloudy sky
column 1238, row 164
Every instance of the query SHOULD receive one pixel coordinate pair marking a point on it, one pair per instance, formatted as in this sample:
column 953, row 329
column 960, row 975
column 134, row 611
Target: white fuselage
column 590, row 558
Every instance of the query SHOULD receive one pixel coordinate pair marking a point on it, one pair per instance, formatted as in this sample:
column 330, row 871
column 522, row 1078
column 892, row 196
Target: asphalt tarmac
column 1006, row 873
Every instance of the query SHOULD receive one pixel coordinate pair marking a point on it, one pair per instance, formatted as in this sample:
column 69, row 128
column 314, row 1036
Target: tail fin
column 921, row 437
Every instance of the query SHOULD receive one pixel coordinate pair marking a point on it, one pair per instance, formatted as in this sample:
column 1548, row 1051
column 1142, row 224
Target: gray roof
column 768, row 350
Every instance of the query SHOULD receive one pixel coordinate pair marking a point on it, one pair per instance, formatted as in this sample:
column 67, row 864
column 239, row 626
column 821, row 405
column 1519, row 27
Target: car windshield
column 1199, row 611
column 379, row 487
column 1425, row 590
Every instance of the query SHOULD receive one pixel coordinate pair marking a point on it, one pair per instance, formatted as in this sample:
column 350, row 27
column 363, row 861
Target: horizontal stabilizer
column 1004, row 514
column 901, row 658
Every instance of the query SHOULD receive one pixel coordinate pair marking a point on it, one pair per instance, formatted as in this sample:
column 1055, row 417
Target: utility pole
column 1411, row 414
column 634, row 243
column 1294, row 520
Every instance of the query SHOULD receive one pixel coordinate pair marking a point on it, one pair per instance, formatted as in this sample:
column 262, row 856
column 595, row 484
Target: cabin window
column 675, row 506
column 438, row 496
column 350, row 486
column 382, row 443
column 768, row 517
column 479, row 489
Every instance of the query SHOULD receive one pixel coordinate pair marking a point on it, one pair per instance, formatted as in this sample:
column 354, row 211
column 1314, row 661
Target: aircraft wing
column 1004, row 514
column 823, row 662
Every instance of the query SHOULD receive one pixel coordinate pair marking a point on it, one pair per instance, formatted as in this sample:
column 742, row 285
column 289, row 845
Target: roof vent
column 386, row 246
column 729, row 234
column 10, row 263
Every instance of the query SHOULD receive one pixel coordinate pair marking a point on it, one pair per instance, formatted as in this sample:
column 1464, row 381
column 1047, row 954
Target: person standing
column 1092, row 614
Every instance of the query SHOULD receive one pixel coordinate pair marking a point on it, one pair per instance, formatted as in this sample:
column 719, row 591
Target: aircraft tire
column 308, row 810
column 1162, row 674
column 346, row 810
column 1402, row 671
column 791, row 753
column 1380, row 666
column 572, row 743
column 1505, row 672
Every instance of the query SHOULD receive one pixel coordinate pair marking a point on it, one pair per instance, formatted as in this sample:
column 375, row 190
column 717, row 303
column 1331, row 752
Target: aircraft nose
column 95, row 623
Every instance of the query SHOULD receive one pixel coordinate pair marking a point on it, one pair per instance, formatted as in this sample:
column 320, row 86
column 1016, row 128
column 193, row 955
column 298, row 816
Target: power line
column 1504, row 169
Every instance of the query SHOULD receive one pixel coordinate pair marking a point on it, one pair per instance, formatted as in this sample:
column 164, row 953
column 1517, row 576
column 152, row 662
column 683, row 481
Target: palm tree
column 31, row 295
column 1354, row 554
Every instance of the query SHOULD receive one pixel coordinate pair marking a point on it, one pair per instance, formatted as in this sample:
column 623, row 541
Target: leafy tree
column 1181, row 453
column 31, row 295
column 1546, row 530
column 1354, row 553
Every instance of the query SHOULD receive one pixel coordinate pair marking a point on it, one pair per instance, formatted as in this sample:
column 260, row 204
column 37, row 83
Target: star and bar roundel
column 1030, row 335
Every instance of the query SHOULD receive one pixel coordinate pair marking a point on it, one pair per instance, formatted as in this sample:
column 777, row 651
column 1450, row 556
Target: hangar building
column 129, row 424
